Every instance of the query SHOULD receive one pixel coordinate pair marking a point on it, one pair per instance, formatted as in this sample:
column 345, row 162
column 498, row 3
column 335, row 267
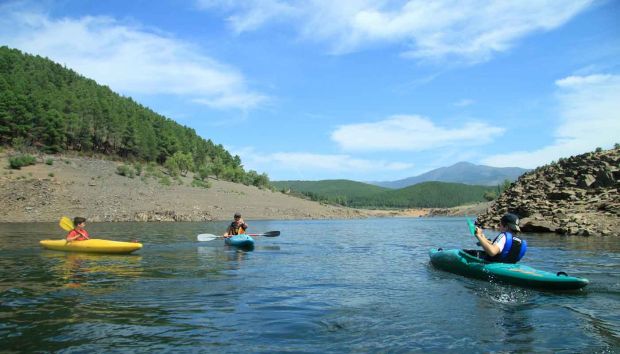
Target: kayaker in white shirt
column 496, row 250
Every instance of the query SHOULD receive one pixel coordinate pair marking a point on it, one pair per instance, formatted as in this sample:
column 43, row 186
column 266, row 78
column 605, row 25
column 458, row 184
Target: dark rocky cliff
column 575, row 196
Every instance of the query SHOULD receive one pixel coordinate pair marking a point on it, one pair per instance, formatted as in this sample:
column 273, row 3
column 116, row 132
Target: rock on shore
column 575, row 196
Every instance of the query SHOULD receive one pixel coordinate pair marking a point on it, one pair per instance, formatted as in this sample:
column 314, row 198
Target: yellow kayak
column 92, row 245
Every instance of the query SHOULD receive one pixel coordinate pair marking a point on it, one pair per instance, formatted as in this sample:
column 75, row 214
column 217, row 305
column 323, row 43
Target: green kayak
column 467, row 263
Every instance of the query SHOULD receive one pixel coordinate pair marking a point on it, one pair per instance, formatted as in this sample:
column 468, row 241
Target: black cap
column 237, row 214
column 511, row 221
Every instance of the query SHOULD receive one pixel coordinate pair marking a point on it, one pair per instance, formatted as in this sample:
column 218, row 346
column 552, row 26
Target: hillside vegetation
column 50, row 108
column 363, row 195
column 338, row 191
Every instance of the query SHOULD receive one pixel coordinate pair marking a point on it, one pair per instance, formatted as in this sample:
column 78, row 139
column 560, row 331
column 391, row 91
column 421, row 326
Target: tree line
column 362, row 195
column 54, row 109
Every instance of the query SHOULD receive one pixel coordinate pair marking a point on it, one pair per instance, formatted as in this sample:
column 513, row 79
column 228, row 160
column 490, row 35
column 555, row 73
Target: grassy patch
column 165, row 180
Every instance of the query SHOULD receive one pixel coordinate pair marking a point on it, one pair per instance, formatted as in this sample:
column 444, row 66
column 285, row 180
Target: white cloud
column 411, row 133
column 469, row 30
column 589, row 111
column 316, row 166
column 127, row 58
column 464, row 102
column 253, row 13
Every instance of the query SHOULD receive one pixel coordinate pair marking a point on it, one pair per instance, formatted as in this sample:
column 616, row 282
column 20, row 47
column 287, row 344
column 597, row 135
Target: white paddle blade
column 207, row 237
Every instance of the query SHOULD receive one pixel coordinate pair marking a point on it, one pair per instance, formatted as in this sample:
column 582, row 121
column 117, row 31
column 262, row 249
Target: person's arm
column 77, row 234
column 228, row 231
column 490, row 248
column 72, row 235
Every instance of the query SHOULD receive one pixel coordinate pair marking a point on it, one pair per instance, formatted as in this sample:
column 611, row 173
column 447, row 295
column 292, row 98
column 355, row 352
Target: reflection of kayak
column 92, row 246
column 463, row 263
column 242, row 241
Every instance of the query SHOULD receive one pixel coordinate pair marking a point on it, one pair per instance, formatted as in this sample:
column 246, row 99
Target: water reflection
column 517, row 327
column 84, row 269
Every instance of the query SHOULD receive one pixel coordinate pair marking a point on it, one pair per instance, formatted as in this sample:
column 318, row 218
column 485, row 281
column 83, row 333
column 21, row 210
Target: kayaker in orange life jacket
column 506, row 248
column 78, row 233
column 236, row 227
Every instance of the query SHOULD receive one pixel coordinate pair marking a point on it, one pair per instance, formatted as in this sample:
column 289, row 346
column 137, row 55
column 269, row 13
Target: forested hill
column 338, row 191
column 363, row 195
column 54, row 109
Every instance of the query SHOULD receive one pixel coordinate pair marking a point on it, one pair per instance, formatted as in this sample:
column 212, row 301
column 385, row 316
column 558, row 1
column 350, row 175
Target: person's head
column 510, row 222
column 237, row 216
column 79, row 221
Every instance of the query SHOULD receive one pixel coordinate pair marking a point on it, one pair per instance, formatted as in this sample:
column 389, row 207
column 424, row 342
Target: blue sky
column 362, row 90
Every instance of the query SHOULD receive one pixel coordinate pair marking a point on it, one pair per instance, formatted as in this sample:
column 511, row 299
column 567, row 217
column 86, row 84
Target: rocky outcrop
column 575, row 196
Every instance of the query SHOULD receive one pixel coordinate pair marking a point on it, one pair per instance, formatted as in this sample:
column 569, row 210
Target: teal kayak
column 466, row 263
column 241, row 241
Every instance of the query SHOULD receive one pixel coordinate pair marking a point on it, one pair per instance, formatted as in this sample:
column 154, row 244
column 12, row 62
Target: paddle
column 472, row 227
column 66, row 224
column 211, row 237
column 267, row 234
column 207, row 237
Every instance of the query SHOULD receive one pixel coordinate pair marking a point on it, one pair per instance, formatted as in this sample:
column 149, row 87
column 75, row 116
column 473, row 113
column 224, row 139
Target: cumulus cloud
column 411, row 133
column 589, row 114
column 468, row 30
column 127, row 58
column 316, row 166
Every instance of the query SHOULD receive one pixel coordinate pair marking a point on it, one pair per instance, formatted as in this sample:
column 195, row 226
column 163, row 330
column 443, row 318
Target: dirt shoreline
column 90, row 187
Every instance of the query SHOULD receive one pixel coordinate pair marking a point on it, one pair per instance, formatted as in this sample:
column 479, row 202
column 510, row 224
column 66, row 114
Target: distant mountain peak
column 460, row 172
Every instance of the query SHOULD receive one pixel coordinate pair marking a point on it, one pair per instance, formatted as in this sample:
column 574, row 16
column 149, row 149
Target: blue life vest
column 513, row 251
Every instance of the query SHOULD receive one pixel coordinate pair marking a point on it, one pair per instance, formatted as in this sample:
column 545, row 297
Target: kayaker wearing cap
column 506, row 248
column 236, row 227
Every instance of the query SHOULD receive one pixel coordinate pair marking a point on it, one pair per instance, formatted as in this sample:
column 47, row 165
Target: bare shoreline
column 90, row 187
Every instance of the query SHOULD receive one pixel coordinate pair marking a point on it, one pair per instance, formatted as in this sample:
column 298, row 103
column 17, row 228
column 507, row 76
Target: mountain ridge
column 461, row 172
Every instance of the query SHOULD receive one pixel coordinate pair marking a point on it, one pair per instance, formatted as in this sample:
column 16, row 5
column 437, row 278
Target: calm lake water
column 321, row 286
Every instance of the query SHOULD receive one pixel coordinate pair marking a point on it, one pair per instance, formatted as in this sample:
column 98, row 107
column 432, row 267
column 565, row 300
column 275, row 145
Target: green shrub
column 201, row 184
column 126, row 170
column 165, row 180
column 138, row 167
column 19, row 161
column 19, row 143
column 617, row 146
column 203, row 172
column 598, row 149
column 489, row 195
column 50, row 174
column 49, row 162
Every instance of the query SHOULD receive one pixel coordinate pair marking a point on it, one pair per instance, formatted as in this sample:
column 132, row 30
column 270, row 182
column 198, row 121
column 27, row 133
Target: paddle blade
column 267, row 234
column 66, row 224
column 472, row 227
column 207, row 237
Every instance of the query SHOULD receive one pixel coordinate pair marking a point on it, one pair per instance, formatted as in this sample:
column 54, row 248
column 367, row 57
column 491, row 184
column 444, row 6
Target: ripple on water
column 322, row 286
